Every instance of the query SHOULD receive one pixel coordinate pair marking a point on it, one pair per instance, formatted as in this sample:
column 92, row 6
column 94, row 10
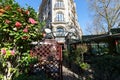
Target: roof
column 101, row 38
column 115, row 30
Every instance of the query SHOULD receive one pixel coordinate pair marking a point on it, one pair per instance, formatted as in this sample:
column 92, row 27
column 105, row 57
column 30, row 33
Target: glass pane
column 60, row 32
column 60, row 17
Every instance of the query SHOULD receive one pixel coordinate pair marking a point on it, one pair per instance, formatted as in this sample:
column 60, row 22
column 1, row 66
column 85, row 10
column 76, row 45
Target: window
column 60, row 31
column 59, row 4
column 59, row 17
column 48, row 1
column 49, row 13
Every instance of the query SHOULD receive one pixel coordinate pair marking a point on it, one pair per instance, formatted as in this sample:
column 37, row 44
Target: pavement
column 69, row 75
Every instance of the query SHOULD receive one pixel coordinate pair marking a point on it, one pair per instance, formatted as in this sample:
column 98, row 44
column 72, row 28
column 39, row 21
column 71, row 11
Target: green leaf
column 4, row 29
column 0, row 1
column 5, row 15
column 4, row 64
column 11, row 1
column 11, row 34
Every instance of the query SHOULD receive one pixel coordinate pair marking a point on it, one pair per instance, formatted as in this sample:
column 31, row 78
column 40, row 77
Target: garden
column 18, row 28
column 91, row 65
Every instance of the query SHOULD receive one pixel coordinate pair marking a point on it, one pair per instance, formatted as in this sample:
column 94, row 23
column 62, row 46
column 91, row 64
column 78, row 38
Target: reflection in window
column 60, row 32
column 99, row 49
column 59, row 29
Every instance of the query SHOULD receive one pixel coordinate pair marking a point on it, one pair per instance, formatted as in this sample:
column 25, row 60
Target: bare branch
column 108, row 11
column 115, row 16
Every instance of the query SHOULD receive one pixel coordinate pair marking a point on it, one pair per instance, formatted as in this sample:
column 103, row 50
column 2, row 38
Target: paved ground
column 69, row 75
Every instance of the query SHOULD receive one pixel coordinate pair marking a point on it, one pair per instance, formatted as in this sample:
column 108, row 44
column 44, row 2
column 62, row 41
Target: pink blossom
column 7, row 21
column 3, row 51
column 18, row 24
column 25, row 30
column 8, row 7
column 27, row 12
column 31, row 53
column 25, row 37
column 12, row 52
column 32, row 21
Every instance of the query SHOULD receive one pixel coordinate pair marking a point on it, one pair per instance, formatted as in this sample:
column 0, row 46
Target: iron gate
column 49, row 54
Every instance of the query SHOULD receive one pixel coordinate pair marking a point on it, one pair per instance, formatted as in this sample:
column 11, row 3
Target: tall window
column 59, row 17
column 48, row 1
column 59, row 4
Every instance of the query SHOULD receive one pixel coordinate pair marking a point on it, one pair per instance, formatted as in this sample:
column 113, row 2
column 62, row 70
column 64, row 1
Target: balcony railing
column 60, row 20
column 60, row 40
column 60, row 33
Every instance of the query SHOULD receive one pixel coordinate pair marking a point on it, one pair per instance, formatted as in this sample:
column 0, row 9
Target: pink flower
column 25, row 30
column 32, row 21
column 8, row 7
column 12, row 52
column 25, row 37
column 7, row 21
column 31, row 53
column 27, row 12
column 18, row 24
column 3, row 51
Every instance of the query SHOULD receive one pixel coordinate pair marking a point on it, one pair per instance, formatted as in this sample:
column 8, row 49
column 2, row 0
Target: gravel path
column 69, row 75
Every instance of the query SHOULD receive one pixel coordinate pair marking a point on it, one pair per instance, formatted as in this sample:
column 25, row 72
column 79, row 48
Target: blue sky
column 82, row 10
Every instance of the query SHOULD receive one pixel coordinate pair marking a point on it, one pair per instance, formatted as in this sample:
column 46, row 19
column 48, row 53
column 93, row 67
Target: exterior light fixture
column 47, row 30
column 72, row 30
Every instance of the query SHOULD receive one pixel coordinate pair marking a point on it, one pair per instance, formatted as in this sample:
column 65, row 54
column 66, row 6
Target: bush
column 40, row 76
column 84, row 66
column 18, row 28
column 106, row 67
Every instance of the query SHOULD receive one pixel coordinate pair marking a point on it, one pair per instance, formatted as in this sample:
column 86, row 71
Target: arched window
column 59, row 17
column 60, row 31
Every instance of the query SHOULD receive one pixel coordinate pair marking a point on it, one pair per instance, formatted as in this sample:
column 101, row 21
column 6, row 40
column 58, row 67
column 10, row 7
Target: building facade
column 60, row 16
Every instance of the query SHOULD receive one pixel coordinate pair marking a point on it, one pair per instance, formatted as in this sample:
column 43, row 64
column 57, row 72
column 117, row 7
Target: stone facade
column 60, row 16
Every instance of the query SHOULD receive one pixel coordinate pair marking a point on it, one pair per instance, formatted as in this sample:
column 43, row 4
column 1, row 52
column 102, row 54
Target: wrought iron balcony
column 59, row 20
column 60, row 33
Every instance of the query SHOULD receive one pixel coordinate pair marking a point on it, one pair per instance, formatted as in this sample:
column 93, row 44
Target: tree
column 106, row 14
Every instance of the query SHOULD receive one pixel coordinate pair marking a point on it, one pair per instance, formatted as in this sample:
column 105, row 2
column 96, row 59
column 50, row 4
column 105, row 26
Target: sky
column 81, row 8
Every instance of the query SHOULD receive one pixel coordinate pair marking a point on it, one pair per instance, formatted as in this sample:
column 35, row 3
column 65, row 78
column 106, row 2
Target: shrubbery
column 18, row 28
column 106, row 67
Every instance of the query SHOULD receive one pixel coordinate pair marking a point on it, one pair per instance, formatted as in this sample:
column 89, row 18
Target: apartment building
column 61, row 17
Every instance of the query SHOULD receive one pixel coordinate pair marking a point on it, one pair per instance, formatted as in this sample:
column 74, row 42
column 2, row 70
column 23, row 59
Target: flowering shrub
column 7, row 53
column 18, row 28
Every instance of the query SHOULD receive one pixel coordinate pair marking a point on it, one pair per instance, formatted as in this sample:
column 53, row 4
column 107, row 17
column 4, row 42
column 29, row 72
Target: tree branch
column 115, row 16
